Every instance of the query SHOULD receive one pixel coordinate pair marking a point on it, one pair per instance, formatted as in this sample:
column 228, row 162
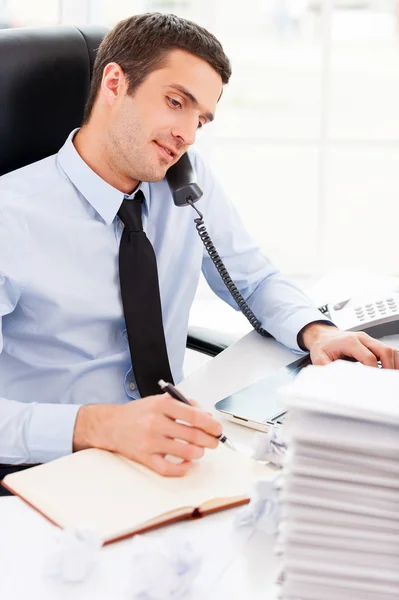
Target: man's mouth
column 166, row 152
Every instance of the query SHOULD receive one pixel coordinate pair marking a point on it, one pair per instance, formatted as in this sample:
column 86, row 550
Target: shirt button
column 132, row 386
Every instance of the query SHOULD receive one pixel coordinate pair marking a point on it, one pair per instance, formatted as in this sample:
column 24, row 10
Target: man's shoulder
column 29, row 181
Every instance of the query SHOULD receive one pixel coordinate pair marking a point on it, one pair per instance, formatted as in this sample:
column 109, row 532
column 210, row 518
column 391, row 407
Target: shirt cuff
column 50, row 431
column 289, row 331
column 300, row 334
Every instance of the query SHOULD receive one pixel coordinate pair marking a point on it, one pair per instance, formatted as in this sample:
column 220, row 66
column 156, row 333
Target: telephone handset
column 182, row 181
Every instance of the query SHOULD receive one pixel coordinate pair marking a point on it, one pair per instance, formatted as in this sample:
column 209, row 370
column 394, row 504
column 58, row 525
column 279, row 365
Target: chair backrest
column 44, row 83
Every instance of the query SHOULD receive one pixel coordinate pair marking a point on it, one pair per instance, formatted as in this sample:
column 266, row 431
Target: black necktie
column 141, row 301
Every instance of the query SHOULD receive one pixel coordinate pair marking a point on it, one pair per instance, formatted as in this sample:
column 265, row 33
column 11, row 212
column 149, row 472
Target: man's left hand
column 326, row 344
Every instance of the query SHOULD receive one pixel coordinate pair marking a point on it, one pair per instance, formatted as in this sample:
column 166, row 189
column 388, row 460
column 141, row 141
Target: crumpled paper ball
column 74, row 555
column 270, row 446
column 263, row 510
column 162, row 569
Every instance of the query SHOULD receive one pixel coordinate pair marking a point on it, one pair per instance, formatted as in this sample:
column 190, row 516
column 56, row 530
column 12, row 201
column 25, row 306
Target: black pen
column 168, row 387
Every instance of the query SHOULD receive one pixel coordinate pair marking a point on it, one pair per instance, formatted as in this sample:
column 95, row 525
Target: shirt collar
column 104, row 198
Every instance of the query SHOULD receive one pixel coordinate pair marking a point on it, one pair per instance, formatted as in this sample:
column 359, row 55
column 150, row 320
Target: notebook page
column 115, row 496
column 95, row 489
column 221, row 473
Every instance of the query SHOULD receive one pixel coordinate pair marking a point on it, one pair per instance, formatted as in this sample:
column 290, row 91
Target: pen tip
column 227, row 442
column 230, row 445
column 162, row 383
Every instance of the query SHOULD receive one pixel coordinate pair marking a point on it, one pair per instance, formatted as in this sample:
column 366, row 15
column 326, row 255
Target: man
column 70, row 235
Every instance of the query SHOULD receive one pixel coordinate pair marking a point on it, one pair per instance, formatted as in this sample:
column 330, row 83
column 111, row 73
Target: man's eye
column 174, row 103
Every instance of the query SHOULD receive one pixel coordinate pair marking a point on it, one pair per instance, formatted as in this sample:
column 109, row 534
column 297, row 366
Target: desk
column 26, row 538
column 250, row 571
column 250, row 574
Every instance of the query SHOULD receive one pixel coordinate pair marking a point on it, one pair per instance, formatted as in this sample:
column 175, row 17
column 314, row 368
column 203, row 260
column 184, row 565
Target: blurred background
column 306, row 139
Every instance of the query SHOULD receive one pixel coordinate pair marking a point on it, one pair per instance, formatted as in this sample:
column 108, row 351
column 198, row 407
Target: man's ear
column 113, row 84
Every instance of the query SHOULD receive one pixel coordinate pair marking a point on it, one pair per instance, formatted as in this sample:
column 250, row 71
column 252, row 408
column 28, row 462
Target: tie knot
column 130, row 212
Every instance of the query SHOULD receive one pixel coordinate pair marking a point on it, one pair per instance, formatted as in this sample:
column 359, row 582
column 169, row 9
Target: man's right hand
column 147, row 430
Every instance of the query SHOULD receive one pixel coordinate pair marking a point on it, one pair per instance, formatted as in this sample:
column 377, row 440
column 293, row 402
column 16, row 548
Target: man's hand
column 147, row 430
column 326, row 344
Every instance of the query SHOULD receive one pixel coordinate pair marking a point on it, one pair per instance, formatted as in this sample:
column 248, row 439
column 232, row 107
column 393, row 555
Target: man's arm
column 283, row 310
column 30, row 432
column 280, row 306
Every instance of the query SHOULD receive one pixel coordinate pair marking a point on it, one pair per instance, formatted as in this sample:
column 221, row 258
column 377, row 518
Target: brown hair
column 140, row 43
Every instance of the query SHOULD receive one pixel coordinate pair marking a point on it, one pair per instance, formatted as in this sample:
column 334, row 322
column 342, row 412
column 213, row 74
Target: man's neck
column 91, row 148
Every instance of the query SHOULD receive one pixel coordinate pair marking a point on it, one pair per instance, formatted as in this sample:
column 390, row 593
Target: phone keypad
column 360, row 313
column 381, row 308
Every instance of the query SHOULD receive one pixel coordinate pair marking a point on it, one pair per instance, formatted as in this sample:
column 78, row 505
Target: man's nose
column 186, row 131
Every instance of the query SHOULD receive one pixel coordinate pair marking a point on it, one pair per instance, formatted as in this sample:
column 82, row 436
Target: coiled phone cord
column 227, row 280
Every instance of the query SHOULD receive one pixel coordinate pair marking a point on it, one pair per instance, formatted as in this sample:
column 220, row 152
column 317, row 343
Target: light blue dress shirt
column 63, row 337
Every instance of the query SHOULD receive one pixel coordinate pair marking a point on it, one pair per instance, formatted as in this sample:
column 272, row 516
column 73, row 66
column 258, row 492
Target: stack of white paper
column 339, row 531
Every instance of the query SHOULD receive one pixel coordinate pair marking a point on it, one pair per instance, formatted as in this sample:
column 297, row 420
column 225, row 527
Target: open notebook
column 117, row 497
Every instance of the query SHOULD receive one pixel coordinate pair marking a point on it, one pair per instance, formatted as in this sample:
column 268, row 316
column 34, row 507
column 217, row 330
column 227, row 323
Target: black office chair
column 44, row 83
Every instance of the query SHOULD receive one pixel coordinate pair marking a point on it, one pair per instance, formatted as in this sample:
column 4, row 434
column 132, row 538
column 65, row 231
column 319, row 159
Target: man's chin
column 155, row 176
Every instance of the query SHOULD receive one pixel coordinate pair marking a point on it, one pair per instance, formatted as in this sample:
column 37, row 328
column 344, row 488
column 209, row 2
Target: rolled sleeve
column 50, row 430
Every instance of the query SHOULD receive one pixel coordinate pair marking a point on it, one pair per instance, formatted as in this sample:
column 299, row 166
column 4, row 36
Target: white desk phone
column 376, row 313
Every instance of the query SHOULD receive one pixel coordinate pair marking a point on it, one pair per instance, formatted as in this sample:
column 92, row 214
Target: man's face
column 150, row 130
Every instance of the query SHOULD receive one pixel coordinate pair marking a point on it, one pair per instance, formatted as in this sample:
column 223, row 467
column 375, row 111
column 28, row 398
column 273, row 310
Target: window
column 308, row 125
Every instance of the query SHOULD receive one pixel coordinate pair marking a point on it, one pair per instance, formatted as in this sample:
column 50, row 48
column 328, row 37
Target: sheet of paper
column 347, row 389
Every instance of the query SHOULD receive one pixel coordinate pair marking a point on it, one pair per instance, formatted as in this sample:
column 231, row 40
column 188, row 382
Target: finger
column 396, row 359
column 321, row 359
column 180, row 449
column 384, row 353
column 194, row 416
column 355, row 348
column 387, row 358
column 194, row 402
column 190, row 400
column 161, row 465
column 193, row 435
